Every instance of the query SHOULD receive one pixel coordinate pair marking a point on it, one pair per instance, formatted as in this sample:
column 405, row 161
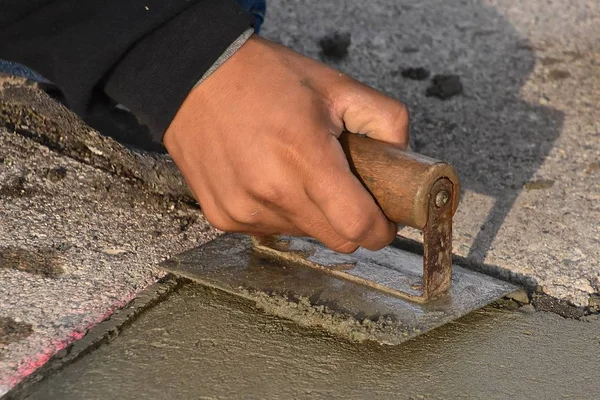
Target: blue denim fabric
column 16, row 69
column 258, row 8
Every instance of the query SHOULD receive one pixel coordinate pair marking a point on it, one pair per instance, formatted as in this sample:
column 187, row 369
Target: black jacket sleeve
column 144, row 54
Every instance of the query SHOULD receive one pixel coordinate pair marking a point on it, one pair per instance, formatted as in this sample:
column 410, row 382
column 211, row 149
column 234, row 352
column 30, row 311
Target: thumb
column 367, row 111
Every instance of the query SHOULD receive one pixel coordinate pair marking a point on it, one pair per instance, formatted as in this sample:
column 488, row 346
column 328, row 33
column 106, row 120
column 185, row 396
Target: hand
column 257, row 144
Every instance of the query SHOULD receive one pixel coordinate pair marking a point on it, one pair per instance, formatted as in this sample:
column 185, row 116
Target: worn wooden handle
column 400, row 181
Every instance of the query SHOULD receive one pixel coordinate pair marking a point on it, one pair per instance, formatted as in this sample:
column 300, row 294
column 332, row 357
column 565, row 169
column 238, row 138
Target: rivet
column 441, row 198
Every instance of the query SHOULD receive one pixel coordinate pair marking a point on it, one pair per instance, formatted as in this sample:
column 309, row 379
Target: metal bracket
column 437, row 257
column 437, row 240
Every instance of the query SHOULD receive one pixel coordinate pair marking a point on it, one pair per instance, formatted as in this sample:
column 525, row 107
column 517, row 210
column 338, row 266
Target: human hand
column 257, row 144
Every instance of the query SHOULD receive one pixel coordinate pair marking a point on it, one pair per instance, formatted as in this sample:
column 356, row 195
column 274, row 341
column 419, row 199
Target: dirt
column 417, row 74
column 539, row 184
column 43, row 261
column 186, row 221
column 592, row 168
column 547, row 303
column 444, row 87
column 12, row 331
column 410, row 49
column 56, row 174
column 547, row 61
column 335, row 46
column 18, row 187
column 559, row 74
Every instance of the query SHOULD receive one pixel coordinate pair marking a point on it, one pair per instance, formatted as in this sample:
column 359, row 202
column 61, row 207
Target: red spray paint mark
column 30, row 365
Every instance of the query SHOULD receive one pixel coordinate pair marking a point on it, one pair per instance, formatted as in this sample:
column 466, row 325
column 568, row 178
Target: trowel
column 386, row 296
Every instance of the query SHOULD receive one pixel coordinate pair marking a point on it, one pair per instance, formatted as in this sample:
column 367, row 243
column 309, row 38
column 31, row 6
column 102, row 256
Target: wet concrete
column 205, row 344
column 300, row 280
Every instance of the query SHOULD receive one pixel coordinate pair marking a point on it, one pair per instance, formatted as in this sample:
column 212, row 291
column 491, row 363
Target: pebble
column 444, row 87
column 335, row 46
column 527, row 309
column 417, row 74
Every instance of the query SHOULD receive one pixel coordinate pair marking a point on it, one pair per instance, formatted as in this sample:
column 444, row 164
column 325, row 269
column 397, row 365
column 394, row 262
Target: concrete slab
column 203, row 344
column 523, row 136
column 77, row 243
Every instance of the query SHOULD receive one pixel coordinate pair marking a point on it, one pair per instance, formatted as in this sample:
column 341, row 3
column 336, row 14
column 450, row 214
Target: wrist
column 233, row 47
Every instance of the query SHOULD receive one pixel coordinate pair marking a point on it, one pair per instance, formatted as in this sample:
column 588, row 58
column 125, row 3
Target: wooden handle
column 400, row 181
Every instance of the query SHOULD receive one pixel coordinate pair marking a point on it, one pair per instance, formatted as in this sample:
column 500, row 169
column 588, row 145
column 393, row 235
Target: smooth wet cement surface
column 203, row 344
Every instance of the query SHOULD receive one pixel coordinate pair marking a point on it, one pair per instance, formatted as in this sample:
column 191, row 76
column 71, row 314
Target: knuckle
column 219, row 221
column 358, row 229
column 272, row 193
column 243, row 214
column 398, row 122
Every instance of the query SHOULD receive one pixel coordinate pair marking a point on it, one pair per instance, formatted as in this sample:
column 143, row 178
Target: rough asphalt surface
column 203, row 344
column 78, row 242
column 82, row 229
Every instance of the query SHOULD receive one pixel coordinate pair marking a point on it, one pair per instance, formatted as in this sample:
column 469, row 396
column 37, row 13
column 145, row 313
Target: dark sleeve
column 144, row 54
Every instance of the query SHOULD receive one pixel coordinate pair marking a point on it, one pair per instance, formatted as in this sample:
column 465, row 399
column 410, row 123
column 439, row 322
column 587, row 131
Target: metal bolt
column 441, row 198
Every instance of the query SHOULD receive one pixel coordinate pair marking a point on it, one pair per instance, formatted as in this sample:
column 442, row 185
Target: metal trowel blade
column 324, row 297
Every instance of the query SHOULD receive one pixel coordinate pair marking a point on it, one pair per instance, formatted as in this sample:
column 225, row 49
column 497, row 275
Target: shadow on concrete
column 494, row 138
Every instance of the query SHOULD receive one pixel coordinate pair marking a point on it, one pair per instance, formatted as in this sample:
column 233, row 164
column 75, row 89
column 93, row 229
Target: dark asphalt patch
column 444, row 87
column 417, row 74
column 12, row 331
column 43, row 262
column 335, row 46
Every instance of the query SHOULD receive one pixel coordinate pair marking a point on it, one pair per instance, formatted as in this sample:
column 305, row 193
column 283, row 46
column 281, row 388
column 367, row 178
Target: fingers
column 307, row 220
column 339, row 213
column 247, row 216
column 311, row 220
column 367, row 111
column 346, row 205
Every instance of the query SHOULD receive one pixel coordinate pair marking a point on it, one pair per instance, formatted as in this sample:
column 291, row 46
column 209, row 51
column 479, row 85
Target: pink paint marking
column 28, row 366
